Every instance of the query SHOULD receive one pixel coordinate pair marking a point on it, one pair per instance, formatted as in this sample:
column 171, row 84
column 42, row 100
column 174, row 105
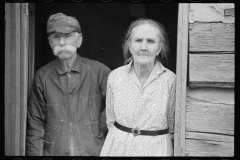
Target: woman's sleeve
column 171, row 107
column 110, row 106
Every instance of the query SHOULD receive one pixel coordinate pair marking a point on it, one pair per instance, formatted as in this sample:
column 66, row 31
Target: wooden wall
column 211, row 76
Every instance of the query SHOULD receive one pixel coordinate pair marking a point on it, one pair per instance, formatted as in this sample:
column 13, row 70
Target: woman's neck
column 143, row 71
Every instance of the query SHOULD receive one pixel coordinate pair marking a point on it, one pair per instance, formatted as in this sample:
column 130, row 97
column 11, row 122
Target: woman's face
column 144, row 45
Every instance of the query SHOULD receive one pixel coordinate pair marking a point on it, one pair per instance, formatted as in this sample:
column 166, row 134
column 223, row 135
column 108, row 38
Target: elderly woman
column 141, row 96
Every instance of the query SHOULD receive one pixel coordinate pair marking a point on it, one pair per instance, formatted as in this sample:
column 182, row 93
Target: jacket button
column 67, row 152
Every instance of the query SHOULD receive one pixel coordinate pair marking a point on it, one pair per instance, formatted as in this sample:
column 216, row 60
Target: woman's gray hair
column 162, row 39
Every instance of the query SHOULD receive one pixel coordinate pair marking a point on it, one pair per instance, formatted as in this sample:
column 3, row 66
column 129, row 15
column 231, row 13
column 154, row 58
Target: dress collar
column 158, row 67
column 157, row 70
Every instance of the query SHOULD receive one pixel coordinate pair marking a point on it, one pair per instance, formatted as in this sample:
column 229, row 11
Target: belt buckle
column 135, row 131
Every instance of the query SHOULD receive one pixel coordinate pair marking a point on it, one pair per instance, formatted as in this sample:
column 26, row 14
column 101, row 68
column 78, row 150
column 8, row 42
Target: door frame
column 181, row 81
column 16, row 77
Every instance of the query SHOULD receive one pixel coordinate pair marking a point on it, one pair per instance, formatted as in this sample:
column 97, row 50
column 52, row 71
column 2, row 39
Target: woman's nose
column 144, row 47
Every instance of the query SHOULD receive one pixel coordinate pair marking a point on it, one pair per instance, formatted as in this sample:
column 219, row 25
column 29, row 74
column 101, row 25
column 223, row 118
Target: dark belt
column 136, row 131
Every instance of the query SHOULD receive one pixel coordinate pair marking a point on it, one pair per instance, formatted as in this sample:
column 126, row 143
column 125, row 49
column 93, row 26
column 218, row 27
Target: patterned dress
column 150, row 107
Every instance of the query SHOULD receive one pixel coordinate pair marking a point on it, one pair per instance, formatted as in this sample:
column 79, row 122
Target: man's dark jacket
column 64, row 109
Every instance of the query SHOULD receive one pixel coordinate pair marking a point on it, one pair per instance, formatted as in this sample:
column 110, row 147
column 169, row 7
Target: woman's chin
column 144, row 60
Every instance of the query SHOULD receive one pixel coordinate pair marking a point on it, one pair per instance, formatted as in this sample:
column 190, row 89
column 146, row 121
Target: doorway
column 103, row 27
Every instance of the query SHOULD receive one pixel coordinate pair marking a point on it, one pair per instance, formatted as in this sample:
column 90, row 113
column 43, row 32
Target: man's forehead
column 60, row 34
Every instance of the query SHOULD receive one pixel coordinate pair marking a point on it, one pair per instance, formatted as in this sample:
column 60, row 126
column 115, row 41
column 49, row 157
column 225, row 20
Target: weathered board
column 16, row 75
column 211, row 37
column 214, row 68
column 182, row 53
column 210, row 12
column 209, row 137
column 209, row 148
column 208, row 117
column 212, row 95
column 210, row 122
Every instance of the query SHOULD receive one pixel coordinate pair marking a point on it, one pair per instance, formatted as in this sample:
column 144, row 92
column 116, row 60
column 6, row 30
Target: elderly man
column 65, row 116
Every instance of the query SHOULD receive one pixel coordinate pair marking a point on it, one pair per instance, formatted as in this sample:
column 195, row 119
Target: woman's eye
column 138, row 40
column 151, row 41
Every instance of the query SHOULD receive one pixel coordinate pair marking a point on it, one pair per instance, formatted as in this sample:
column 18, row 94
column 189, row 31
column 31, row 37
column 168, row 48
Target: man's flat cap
column 62, row 23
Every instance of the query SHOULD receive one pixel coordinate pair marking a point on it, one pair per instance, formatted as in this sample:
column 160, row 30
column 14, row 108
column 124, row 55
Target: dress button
column 67, row 152
column 69, row 75
column 70, row 96
column 71, row 124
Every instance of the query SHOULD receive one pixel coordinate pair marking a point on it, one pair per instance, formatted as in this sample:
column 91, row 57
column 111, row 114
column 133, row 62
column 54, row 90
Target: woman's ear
column 160, row 48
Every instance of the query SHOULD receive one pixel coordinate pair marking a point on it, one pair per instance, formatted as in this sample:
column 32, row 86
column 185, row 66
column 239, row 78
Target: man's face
column 64, row 45
column 144, row 44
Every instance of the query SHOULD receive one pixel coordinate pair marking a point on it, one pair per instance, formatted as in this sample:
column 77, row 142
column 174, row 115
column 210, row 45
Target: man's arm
column 35, row 121
column 102, row 118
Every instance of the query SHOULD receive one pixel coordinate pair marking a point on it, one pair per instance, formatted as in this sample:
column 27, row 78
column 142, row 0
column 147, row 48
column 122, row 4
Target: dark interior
column 103, row 28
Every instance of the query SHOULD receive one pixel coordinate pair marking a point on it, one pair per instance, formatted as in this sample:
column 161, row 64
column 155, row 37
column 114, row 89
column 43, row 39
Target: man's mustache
column 68, row 48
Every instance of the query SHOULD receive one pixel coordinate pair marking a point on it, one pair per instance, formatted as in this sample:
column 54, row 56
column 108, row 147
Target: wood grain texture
column 16, row 54
column 210, row 137
column 24, row 34
column 209, row 148
column 182, row 52
column 211, row 37
column 212, row 95
column 209, row 12
column 210, row 122
column 211, row 68
column 208, row 117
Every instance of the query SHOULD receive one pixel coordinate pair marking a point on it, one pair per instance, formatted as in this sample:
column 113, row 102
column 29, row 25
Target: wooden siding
column 208, row 117
column 212, row 68
column 210, row 122
column 211, row 37
column 210, row 12
column 209, row 148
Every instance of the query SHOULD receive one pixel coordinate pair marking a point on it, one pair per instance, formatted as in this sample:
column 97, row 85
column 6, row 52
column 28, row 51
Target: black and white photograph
column 117, row 79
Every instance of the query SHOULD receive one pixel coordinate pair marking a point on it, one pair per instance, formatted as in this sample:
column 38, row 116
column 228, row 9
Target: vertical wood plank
column 16, row 56
column 9, row 74
column 182, row 52
column 24, row 75
column 17, row 80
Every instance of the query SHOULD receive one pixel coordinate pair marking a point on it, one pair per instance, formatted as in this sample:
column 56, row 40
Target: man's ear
column 79, row 40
